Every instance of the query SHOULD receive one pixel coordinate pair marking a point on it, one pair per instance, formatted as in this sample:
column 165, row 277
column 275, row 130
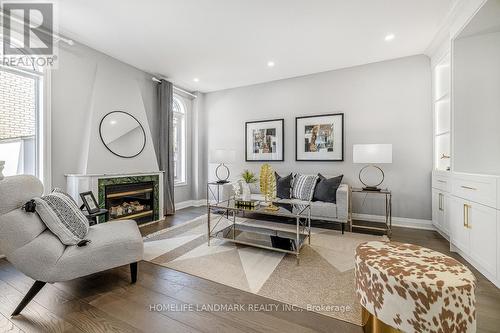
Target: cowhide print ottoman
column 414, row 289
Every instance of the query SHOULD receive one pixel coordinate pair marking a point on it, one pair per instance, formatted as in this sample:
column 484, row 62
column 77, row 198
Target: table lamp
column 222, row 157
column 372, row 154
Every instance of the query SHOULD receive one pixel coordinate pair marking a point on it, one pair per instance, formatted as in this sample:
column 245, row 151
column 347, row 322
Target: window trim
column 183, row 147
column 43, row 152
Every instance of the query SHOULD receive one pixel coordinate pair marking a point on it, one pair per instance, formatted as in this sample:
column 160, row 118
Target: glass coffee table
column 271, row 236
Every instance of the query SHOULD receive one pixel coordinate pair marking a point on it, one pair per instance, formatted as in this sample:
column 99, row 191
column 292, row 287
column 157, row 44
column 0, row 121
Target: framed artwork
column 319, row 137
column 90, row 202
column 264, row 140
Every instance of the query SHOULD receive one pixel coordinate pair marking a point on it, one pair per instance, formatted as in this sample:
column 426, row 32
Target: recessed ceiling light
column 196, row 79
column 270, row 64
column 389, row 37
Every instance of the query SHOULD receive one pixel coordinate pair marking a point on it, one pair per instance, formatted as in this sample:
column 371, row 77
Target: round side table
column 405, row 287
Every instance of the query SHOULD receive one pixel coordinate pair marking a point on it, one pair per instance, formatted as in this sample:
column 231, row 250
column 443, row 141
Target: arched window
column 179, row 110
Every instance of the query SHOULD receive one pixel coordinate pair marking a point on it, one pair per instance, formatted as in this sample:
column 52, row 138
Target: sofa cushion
column 326, row 210
column 303, row 186
column 284, row 186
column 63, row 217
column 326, row 189
column 113, row 244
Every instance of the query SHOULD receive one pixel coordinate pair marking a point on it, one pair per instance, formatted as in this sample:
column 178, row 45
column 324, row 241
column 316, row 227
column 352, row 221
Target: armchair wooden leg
column 37, row 286
column 133, row 272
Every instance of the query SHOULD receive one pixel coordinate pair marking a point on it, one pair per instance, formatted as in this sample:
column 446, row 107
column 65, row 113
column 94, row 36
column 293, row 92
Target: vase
column 246, row 194
column 2, row 164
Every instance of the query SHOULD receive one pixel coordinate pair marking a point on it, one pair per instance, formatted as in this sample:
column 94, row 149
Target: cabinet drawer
column 441, row 183
column 478, row 189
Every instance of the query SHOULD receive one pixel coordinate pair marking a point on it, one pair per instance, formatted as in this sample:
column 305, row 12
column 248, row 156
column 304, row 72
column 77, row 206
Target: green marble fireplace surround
column 155, row 179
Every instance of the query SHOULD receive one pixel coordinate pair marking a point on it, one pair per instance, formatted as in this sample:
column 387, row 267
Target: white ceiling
column 227, row 43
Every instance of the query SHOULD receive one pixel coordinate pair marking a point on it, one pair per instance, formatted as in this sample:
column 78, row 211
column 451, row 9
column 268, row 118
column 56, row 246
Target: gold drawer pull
column 468, row 188
column 466, row 216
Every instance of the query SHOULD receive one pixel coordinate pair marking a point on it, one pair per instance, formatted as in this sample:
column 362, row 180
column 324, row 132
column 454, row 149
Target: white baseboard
column 190, row 203
column 397, row 221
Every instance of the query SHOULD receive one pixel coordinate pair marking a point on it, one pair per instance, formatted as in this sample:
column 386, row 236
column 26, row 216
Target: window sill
column 180, row 184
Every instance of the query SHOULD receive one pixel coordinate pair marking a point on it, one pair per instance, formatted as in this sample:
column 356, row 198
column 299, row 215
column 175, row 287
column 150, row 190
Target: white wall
column 476, row 80
column 386, row 102
column 87, row 85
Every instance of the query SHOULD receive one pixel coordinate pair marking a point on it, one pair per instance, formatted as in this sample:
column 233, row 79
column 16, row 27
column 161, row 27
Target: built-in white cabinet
column 465, row 208
column 441, row 187
column 459, row 234
column 466, row 170
column 440, row 202
column 482, row 226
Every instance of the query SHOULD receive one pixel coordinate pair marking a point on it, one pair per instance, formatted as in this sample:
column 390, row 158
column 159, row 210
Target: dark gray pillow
column 283, row 186
column 326, row 189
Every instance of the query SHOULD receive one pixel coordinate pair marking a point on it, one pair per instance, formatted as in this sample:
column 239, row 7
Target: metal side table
column 387, row 229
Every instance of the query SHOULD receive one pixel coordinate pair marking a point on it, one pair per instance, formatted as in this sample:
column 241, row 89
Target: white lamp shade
column 372, row 153
column 222, row 156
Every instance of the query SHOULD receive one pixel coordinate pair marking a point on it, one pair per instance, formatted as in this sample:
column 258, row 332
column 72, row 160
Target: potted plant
column 248, row 177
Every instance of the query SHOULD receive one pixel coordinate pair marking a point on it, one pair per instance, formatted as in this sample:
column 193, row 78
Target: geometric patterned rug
column 322, row 282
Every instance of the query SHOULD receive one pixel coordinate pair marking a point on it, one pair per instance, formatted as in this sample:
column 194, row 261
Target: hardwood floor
column 107, row 302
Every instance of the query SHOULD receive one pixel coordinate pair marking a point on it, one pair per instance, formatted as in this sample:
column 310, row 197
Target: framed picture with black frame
column 319, row 137
column 264, row 140
column 90, row 202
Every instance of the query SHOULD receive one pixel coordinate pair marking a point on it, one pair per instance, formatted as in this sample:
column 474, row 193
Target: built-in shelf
column 442, row 114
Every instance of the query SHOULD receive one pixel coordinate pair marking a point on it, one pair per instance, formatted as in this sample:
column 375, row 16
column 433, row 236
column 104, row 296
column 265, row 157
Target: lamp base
column 372, row 188
column 222, row 180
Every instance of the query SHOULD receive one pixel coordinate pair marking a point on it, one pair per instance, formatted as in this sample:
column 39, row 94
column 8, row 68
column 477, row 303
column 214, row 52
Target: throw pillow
column 326, row 189
column 303, row 186
column 284, row 186
column 58, row 190
column 62, row 216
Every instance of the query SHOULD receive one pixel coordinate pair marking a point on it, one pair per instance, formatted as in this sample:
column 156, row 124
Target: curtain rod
column 176, row 88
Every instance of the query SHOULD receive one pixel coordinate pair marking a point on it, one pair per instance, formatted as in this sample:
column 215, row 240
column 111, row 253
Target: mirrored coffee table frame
column 260, row 236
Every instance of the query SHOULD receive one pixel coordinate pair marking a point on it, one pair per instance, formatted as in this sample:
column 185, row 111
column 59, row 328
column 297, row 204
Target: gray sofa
column 325, row 211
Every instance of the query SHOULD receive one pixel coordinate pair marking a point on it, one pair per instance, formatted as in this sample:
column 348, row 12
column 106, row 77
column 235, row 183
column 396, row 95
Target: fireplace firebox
column 130, row 201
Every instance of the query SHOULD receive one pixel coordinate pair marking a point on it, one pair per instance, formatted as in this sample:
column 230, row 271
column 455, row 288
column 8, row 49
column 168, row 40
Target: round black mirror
column 122, row 134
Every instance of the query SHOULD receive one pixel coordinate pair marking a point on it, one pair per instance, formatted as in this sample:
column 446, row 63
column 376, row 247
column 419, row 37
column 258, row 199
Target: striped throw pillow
column 303, row 186
column 62, row 216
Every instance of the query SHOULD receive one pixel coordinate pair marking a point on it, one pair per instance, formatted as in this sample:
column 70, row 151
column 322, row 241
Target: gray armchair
column 38, row 253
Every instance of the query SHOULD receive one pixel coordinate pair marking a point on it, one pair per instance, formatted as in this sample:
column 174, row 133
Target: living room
column 250, row 166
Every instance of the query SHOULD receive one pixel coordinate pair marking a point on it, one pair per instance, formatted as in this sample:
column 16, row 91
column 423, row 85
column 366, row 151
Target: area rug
column 322, row 282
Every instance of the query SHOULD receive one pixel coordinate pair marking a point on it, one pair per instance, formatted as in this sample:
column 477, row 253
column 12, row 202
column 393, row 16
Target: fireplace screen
column 130, row 202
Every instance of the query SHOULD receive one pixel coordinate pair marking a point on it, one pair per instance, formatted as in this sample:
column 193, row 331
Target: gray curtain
column 166, row 143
